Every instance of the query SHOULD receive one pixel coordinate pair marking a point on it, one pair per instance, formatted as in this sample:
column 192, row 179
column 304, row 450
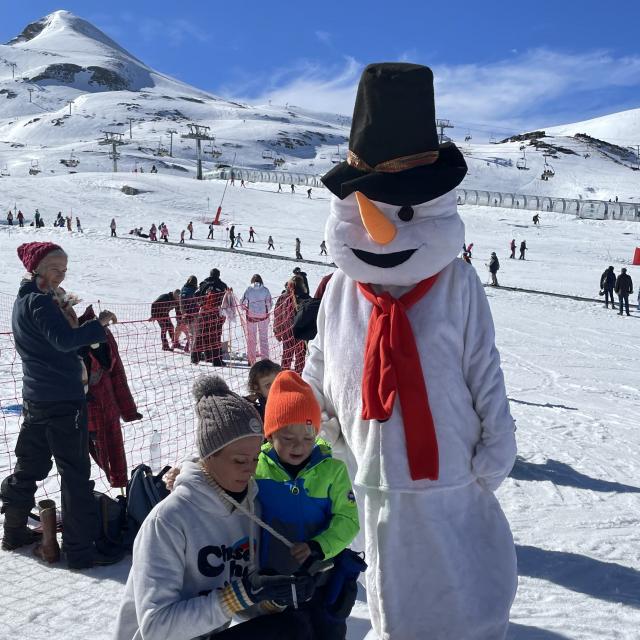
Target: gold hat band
column 393, row 166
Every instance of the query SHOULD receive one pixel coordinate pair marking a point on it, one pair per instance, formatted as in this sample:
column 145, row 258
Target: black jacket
column 608, row 280
column 624, row 284
column 48, row 346
column 161, row 306
column 494, row 265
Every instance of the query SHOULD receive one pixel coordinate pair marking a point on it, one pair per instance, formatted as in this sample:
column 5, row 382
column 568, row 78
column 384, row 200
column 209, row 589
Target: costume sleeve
column 496, row 451
column 55, row 328
column 344, row 524
column 313, row 372
column 158, row 573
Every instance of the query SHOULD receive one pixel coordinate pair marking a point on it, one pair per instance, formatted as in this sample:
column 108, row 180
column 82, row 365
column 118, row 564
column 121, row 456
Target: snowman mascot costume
column 405, row 366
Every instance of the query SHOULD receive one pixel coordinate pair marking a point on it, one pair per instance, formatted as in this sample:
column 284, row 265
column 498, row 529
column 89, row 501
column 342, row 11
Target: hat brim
column 409, row 187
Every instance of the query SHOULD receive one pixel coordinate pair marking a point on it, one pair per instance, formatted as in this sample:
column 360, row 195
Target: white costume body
column 441, row 556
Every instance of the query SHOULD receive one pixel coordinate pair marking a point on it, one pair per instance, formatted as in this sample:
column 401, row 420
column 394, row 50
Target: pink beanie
column 31, row 254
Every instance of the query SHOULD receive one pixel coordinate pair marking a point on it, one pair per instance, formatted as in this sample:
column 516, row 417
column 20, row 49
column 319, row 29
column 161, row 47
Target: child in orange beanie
column 306, row 496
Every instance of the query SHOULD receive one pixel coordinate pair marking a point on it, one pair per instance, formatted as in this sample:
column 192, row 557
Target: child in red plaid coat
column 109, row 399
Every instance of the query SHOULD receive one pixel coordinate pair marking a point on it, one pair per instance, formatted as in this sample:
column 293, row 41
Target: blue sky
column 500, row 66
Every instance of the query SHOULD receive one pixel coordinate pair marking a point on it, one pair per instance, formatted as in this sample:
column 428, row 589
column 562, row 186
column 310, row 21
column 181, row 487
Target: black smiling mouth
column 384, row 260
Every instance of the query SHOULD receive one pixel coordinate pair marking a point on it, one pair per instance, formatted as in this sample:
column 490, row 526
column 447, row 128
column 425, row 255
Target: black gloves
column 260, row 586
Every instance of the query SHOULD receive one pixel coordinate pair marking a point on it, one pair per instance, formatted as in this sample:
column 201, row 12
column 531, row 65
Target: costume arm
column 495, row 452
column 344, row 524
column 158, row 573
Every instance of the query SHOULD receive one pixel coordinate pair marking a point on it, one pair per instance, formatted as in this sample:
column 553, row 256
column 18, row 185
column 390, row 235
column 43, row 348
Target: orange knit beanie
column 291, row 401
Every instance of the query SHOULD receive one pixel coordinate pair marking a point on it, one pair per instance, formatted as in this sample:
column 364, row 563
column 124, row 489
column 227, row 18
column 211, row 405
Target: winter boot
column 96, row 558
column 16, row 532
column 49, row 549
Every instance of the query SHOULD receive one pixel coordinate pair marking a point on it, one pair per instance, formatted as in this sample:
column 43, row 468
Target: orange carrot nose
column 380, row 229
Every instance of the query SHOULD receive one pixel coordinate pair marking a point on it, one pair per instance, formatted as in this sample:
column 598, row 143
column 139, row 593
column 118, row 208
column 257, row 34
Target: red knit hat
column 32, row 253
column 291, row 401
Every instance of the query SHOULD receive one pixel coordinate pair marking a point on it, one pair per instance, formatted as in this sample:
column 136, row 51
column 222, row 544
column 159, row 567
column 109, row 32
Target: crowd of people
column 192, row 318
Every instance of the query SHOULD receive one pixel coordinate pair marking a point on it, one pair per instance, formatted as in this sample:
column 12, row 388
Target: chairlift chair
column 4, row 172
column 267, row 154
column 492, row 140
column 73, row 160
column 336, row 158
column 34, row 170
column 522, row 164
column 215, row 152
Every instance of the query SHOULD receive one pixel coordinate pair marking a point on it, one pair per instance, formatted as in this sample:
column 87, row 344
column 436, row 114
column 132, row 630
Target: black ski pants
column 623, row 298
column 290, row 625
column 608, row 295
column 57, row 429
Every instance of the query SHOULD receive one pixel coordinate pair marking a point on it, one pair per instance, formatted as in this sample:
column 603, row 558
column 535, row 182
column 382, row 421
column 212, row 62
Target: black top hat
column 394, row 155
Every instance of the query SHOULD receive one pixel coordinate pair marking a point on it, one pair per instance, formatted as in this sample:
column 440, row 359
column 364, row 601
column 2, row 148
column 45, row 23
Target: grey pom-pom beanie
column 223, row 416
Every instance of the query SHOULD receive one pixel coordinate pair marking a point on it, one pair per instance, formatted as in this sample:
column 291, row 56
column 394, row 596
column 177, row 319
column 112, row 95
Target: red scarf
column 392, row 364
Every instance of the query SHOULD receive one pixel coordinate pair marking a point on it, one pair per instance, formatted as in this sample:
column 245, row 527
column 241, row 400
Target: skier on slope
column 270, row 244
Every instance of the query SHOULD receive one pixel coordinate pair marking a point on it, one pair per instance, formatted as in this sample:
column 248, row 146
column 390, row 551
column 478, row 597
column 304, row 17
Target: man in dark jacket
column 624, row 287
column 607, row 284
column 494, row 265
column 523, row 248
column 160, row 309
column 54, row 409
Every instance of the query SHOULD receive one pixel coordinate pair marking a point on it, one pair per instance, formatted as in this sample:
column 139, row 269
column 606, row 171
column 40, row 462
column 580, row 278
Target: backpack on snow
column 120, row 519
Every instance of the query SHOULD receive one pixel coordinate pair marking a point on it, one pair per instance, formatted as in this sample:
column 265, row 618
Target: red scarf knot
column 392, row 367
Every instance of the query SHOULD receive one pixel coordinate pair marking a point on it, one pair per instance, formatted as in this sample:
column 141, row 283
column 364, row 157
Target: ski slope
column 571, row 370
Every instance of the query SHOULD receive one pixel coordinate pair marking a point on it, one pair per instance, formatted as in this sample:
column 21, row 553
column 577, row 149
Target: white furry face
column 432, row 239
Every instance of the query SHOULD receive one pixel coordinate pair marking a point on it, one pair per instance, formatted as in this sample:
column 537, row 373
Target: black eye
column 406, row 213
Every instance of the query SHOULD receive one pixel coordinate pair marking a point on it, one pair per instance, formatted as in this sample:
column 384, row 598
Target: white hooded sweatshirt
column 192, row 544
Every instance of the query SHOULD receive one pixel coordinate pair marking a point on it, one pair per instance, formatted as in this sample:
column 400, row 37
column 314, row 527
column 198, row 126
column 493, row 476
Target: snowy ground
column 573, row 499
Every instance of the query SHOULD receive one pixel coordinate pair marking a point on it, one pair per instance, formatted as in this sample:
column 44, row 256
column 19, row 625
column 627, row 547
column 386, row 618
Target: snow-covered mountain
column 621, row 128
column 63, row 58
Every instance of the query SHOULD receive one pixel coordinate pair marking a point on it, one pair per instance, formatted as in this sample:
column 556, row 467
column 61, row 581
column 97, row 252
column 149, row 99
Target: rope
column 252, row 516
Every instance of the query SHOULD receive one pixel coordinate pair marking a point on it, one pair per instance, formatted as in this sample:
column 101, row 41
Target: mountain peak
column 46, row 31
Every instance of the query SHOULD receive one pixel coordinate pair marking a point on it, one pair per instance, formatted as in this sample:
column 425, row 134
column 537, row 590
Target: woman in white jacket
column 257, row 303
column 194, row 557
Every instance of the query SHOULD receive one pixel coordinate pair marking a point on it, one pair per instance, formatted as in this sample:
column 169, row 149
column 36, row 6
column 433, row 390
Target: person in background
column 261, row 377
column 257, row 304
column 512, row 246
column 494, row 266
column 298, row 250
column 523, row 248
column 109, row 400
column 188, row 313
column 175, row 589
column 78, row 225
column 160, row 309
column 54, row 410
column 252, row 234
column 112, row 226
column 182, row 237
column 190, row 229
column 20, row 218
column 607, row 285
column 270, row 244
column 624, row 288
column 10, row 218
column 297, row 271
column 323, row 248
column 293, row 351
